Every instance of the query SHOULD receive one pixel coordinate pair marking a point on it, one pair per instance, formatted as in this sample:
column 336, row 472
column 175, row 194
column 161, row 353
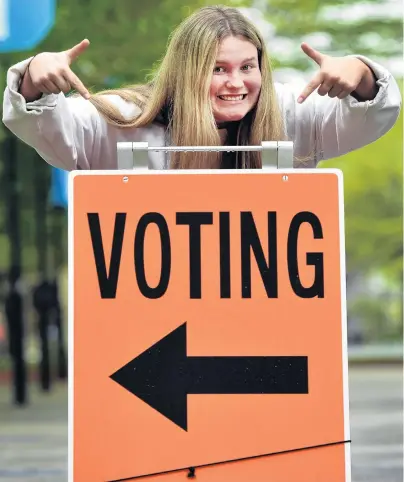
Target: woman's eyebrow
column 250, row 59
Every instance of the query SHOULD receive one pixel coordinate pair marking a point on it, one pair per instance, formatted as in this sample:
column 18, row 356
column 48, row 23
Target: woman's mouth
column 232, row 98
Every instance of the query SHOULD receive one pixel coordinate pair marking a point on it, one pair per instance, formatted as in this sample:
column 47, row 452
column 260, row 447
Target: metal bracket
column 275, row 154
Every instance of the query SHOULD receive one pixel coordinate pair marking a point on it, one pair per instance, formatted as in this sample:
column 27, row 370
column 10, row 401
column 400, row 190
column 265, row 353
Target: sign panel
column 207, row 330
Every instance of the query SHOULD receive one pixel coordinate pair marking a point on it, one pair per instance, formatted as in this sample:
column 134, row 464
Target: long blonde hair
column 178, row 93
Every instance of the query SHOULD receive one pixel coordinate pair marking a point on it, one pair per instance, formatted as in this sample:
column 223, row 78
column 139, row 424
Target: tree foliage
column 351, row 27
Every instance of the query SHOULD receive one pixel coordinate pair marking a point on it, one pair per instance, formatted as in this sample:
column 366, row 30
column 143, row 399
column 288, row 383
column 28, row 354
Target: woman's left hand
column 339, row 76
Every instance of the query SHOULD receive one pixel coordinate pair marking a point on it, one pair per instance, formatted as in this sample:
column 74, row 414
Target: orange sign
column 207, row 330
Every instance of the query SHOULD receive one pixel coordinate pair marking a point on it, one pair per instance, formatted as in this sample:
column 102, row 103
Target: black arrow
column 163, row 375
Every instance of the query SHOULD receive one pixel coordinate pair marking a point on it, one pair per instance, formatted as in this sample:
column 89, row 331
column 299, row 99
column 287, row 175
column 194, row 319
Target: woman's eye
column 247, row 67
column 218, row 70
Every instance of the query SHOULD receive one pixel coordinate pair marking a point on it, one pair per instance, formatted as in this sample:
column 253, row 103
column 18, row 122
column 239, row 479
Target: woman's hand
column 339, row 77
column 50, row 73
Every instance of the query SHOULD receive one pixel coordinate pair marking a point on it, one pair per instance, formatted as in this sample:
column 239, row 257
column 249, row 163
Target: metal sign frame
column 275, row 154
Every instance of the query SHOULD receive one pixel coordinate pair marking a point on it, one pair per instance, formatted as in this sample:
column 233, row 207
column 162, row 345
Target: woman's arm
column 63, row 130
column 323, row 127
column 68, row 132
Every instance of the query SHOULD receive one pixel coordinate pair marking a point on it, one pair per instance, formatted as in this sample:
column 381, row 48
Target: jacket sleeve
column 324, row 127
column 62, row 130
column 67, row 132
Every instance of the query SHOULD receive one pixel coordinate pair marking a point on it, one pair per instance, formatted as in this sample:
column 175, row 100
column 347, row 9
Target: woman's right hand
column 50, row 73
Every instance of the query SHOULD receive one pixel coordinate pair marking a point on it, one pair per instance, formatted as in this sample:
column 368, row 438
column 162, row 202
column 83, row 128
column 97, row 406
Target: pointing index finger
column 78, row 85
column 310, row 88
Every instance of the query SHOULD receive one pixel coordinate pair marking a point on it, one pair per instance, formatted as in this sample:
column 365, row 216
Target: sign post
column 207, row 326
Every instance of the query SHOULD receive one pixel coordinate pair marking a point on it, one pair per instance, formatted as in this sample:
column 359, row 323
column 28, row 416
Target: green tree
column 350, row 26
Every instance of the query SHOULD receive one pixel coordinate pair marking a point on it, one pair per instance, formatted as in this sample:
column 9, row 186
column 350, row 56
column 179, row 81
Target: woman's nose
column 234, row 82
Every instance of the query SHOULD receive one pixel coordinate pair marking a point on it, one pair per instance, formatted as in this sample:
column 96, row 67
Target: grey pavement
column 33, row 441
column 376, row 412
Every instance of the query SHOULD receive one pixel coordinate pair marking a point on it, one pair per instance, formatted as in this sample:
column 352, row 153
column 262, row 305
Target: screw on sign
column 208, row 332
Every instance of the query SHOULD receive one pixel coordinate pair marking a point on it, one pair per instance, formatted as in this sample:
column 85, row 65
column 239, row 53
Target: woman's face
column 236, row 80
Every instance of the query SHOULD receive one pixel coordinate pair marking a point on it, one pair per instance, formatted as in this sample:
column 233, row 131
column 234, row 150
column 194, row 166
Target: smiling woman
column 214, row 86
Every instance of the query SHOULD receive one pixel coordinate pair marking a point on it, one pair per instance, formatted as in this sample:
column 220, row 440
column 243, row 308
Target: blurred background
column 127, row 39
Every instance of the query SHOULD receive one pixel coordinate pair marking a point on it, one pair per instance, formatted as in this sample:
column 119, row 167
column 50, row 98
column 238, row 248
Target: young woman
column 214, row 86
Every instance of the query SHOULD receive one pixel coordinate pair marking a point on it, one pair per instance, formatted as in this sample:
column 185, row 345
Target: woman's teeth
column 232, row 97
